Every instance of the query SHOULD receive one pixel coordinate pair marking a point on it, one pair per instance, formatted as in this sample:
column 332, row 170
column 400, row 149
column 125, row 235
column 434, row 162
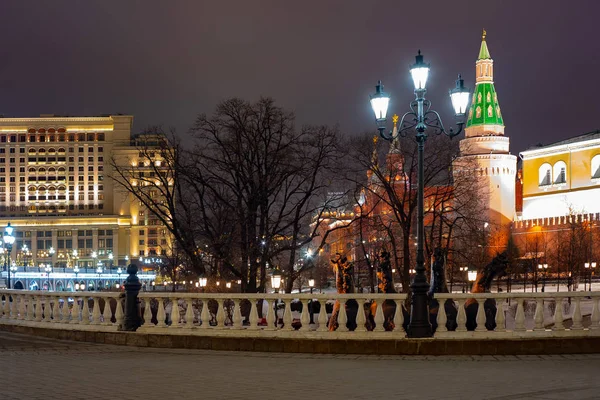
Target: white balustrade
column 547, row 314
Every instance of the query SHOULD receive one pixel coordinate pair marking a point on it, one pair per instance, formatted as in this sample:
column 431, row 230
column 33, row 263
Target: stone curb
column 431, row 347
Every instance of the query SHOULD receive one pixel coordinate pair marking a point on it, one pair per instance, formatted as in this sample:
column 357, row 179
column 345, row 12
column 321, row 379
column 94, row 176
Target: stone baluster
column 85, row 311
column 205, row 315
column 254, row 315
column 5, row 306
column 147, row 312
column 55, row 309
column 342, row 317
column 75, row 311
column 322, row 319
column 119, row 315
column 23, row 307
column 360, row 316
column 107, row 312
column 520, row 316
column 305, row 316
column 287, row 316
column 220, row 315
column 595, row 318
column 271, row 323
column 500, row 317
column 31, row 308
column 189, row 313
column 96, row 312
column 577, row 321
column 14, row 313
column 399, row 316
column 442, row 318
column 461, row 318
column 538, row 317
column 236, row 320
column 480, row 317
column 39, row 313
column 558, row 315
column 66, row 312
column 161, row 316
column 175, row 315
column 379, row 317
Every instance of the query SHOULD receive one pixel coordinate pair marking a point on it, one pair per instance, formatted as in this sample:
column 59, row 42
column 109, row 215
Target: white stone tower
column 485, row 149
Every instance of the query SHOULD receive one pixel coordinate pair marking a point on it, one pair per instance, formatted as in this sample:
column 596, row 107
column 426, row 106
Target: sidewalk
column 36, row 368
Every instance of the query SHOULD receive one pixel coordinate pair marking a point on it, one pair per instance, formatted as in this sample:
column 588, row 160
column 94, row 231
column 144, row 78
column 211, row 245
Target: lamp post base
column 419, row 325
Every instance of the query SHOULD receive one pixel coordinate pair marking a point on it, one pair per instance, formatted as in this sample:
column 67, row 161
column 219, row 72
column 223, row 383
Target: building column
column 55, row 245
column 34, row 248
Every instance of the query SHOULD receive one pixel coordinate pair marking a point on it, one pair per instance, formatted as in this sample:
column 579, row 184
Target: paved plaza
column 35, row 368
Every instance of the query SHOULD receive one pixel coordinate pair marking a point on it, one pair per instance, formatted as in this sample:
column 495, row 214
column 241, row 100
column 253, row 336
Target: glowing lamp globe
column 276, row 279
column 379, row 102
column 460, row 96
column 419, row 72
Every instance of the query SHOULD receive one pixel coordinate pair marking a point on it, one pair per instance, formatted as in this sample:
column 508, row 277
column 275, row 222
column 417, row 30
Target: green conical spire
column 484, row 109
column 484, row 53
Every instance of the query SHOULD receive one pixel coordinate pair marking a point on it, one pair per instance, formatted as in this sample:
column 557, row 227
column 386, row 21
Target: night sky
column 166, row 61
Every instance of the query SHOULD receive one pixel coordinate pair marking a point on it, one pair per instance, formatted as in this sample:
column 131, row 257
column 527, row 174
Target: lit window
column 545, row 174
column 559, row 171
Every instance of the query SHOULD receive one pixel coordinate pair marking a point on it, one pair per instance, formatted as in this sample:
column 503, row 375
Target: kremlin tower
column 485, row 150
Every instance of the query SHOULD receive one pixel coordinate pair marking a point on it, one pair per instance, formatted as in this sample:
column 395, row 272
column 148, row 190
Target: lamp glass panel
column 419, row 76
column 380, row 107
column 460, row 101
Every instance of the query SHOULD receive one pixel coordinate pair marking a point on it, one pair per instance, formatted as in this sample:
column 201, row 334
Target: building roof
column 485, row 109
column 575, row 139
column 484, row 53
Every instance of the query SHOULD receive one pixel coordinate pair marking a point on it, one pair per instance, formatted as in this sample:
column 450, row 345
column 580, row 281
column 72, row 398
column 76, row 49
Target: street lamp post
column 420, row 118
column 589, row 267
column 202, row 280
column 472, row 275
column 9, row 240
column 464, row 281
column 76, row 270
column 276, row 284
column 99, row 272
column 48, row 270
column 311, row 285
column 543, row 268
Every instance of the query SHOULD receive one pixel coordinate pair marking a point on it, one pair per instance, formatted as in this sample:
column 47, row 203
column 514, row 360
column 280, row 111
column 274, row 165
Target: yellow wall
column 578, row 171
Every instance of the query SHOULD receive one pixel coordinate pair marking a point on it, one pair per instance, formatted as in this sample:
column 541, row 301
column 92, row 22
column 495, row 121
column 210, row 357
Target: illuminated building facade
column 56, row 191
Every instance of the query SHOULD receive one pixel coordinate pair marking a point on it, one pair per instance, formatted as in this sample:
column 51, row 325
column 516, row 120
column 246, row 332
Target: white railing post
column 220, row 314
column 461, row 318
column 107, row 312
column 520, row 316
column 5, row 306
column 342, row 317
column 322, row 319
column 253, row 319
column 14, row 313
column 161, row 315
column 379, row 317
column 595, row 318
column 22, row 308
column 271, row 318
column 558, row 315
column 480, row 316
column 500, row 317
column 399, row 317
column 75, row 310
column 204, row 314
column 538, row 317
column 38, row 309
column 189, row 314
column 305, row 316
column 577, row 320
column 147, row 312
column 442, row 318
column 96, row 312
column 360, row 316
column 287, row 316
column 119, row 315
column 236, row 319
column 85, row 310
column 175, row 315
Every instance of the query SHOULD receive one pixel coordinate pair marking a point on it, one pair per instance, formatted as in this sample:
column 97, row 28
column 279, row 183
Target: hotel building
column 56, row 191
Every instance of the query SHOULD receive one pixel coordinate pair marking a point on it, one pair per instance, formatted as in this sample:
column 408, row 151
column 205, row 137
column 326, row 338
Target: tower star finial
column 483, row 35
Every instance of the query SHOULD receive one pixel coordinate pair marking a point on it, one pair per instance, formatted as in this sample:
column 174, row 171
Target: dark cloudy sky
column 166, row 61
